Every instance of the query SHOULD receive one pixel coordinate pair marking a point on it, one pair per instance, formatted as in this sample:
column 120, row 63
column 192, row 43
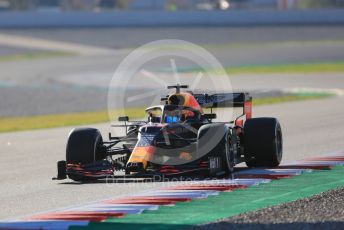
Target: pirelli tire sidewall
column 212, row 142
column 263, row 142
column 83, row 146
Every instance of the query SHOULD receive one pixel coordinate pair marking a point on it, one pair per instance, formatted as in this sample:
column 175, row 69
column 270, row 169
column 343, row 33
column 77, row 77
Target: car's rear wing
column 223, row 100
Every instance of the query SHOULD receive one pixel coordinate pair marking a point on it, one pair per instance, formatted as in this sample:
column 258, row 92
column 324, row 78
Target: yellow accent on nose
column 141, row 155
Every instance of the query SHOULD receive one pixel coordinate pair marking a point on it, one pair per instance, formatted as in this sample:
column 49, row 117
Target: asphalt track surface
column 119, row 38
column 28, row 158
column 5, row 51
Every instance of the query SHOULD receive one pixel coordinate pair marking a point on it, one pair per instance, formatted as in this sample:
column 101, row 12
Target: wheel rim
column 97, row 145
column 229, row 150
column 279, row 144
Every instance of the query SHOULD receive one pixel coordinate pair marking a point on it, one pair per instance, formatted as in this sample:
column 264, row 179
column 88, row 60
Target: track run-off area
column 198, row 202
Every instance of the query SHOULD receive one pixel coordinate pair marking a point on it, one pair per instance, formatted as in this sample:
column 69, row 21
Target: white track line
column 38, row 43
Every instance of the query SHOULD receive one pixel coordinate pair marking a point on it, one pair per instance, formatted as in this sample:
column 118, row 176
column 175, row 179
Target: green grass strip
column 316, row 67
column 229, row 203
column 319, row 67
column 11, row 124
column 289, row 98
column 35, row 55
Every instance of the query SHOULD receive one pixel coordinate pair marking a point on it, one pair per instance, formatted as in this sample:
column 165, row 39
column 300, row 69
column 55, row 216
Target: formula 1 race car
column 178, row 138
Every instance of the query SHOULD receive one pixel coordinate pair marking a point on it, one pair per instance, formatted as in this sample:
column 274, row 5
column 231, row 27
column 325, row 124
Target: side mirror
column 124, row 118
column 209, row 116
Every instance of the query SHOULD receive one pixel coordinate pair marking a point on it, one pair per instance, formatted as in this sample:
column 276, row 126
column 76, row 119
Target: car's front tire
column 84, row 146
column 214, row 141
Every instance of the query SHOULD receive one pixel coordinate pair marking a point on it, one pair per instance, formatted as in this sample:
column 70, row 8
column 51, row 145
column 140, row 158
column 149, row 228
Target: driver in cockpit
column 153, row 119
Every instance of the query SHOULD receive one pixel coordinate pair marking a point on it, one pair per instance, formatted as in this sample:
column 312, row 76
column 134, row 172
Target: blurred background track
column 31, row 75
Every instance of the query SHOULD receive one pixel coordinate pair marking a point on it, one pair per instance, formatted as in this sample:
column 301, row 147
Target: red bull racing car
column 178, row 138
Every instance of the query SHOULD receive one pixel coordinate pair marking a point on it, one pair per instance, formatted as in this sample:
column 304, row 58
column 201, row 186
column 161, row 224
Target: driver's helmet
column 172, row 117
column 188, row 114
column 179, row 116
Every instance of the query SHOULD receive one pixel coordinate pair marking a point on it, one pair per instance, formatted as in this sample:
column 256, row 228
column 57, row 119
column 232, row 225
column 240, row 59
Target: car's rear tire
column 263, row 143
